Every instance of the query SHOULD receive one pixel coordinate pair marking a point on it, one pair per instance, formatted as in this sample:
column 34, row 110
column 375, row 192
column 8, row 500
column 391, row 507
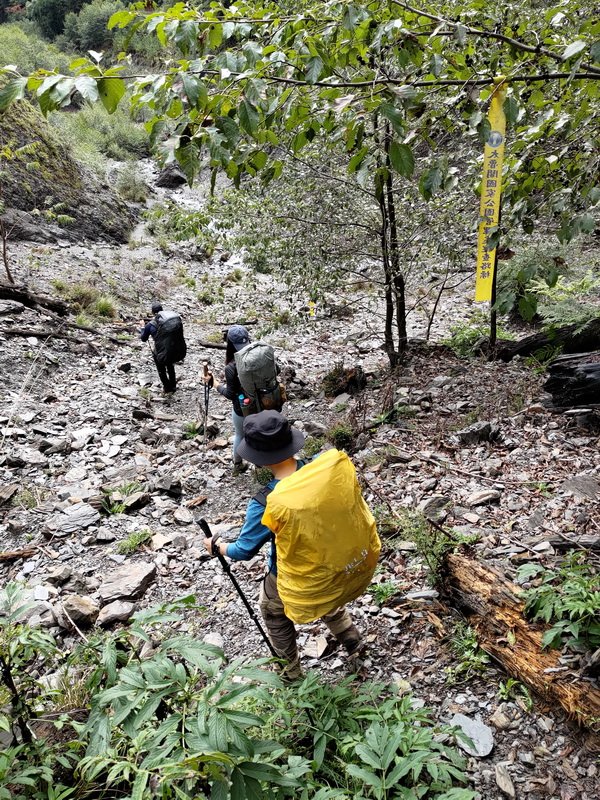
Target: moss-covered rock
column 40, row 176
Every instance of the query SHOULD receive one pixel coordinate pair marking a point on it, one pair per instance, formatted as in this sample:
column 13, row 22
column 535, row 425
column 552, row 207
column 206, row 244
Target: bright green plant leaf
column 402, row 159
column 111, row 91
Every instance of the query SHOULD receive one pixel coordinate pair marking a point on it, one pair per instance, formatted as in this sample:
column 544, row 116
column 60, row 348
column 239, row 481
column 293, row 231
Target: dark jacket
column 233, row 388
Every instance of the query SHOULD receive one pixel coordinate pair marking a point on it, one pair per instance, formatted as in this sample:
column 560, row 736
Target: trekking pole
column 208, row 384
column 227, row 569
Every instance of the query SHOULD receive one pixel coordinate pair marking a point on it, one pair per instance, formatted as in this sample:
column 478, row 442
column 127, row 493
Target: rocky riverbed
column 92, row 454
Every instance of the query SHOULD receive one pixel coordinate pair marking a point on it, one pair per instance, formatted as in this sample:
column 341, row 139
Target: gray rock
column 59, row 575
column 482, row 497
column 434, row 507
column 117, row 611
column 82, row 610
column 473, row 434
column 215, row 639
column 314, row 428
column 183, row 516
column 74, row 518
column 504, row 782
column 423, row 594
column 480, row 734
column 583, row 486
column 171, row 177
column 127, row 582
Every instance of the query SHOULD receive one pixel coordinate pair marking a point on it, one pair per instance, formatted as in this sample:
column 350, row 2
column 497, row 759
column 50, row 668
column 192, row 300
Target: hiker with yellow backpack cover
column 324, row 542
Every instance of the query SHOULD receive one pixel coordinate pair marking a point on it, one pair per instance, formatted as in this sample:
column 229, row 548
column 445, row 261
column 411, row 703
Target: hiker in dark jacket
column 270, row 441
column 237, row 337
column 166, row 372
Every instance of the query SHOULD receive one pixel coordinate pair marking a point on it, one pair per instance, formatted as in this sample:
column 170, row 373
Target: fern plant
column 568, row 597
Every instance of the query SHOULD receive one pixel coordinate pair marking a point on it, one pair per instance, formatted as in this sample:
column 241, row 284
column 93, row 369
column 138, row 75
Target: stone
column 117, row 611
column 215, row 639
column 7, row 491
column 434, row 507
column 168, row 484
column 504, row 781
column 183, row 516
column 423, row 594
column 171, row 177
column 314, row 428
column 82, row 610
column 180, row 542
column 499, row 720
column 128, row 582
column 483, row 496
column 59, row 575
column 478, row 732
column 584, row 486
column 124, row 366
column 473, row 434
column 74, row 518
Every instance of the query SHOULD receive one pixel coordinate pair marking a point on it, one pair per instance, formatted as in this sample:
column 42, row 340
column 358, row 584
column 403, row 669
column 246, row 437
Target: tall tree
column 386, row 79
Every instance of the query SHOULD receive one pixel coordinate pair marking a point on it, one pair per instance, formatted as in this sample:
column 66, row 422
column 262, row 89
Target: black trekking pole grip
column 227, row 569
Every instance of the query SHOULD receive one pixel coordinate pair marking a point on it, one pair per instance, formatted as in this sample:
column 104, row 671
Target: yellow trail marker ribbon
column 491, row 190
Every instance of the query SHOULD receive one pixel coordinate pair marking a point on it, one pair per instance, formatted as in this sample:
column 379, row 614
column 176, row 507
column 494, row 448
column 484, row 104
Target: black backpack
column 169, row 342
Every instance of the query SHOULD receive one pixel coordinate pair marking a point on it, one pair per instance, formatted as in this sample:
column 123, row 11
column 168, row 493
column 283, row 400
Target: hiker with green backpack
column 251, row 382
column 324, row 542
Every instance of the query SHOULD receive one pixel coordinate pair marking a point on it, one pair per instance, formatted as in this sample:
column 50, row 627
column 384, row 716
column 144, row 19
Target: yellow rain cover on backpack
column 326, row 537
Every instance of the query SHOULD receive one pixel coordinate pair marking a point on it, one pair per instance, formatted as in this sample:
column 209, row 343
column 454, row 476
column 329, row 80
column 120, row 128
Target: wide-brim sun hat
column 268, row 439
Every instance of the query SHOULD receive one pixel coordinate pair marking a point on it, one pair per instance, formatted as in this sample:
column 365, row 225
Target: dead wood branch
column 571, row 338
column 13, row 555
column 494, row 607
column 21, row 294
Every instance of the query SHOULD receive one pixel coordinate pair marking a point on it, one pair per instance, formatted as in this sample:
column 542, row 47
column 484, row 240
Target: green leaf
column 527, row 306
column 357, row 159
column 188, row 159
column 13, row 90
column 248, row 117
column 436, row 64
column 402, row 159
column 595, row 52
column 364, row 775
column 314, row 68
column 111, row 91
column 394, row 115
column 195, row 90
column 139, row 785
column 430, row 182
column 511, row 109
column 574, row 48
column 87, row 88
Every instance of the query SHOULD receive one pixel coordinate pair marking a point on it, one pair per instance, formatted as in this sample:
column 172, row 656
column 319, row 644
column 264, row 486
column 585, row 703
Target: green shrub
column 130, row 186
column 568, row 597
column 188, row 721
column 341, row 436
column 134, row 541
column 471, row 658
column 105, row 307
column 29, row 52
column 517, row 276
column 92, row 135
column 87, row 30
column 313, row 445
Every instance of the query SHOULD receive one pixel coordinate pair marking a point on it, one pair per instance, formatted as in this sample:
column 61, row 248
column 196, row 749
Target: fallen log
column 571, row 338
column 22, row 294
column 494, row 607
column 574, row 380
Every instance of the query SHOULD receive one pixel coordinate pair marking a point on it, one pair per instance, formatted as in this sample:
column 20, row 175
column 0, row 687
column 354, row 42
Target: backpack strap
column 261, row 496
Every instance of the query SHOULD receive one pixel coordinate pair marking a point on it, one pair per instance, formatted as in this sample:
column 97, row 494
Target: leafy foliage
column 383, row 591
column 183, row 723
column 134, row 541
column 568, row 597
column 471, row 658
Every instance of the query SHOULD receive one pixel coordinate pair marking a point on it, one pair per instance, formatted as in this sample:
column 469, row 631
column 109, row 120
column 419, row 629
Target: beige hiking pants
column 282, row 631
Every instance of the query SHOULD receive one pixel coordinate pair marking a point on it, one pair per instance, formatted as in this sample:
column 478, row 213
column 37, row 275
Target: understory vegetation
column 145, row 713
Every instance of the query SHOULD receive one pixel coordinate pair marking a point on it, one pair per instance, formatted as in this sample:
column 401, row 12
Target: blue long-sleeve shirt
column 254, row 534
column 148, row 331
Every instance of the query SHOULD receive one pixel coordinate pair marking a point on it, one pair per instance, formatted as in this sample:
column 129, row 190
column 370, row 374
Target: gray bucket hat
column 268, row 439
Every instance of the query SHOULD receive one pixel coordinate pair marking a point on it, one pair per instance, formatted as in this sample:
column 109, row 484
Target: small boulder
column 82, row 610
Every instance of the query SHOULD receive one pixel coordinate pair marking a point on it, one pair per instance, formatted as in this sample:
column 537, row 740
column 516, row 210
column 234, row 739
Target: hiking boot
column 356, row 649
column 239, row 468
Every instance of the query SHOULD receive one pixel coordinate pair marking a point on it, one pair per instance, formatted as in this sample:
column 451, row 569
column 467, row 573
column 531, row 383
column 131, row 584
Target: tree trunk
column 495, row 609
column 569, row 337
column 22, row 294
column 575, row 380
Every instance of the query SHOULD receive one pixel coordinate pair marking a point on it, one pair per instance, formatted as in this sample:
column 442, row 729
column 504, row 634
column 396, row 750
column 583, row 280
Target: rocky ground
column 92, row 452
